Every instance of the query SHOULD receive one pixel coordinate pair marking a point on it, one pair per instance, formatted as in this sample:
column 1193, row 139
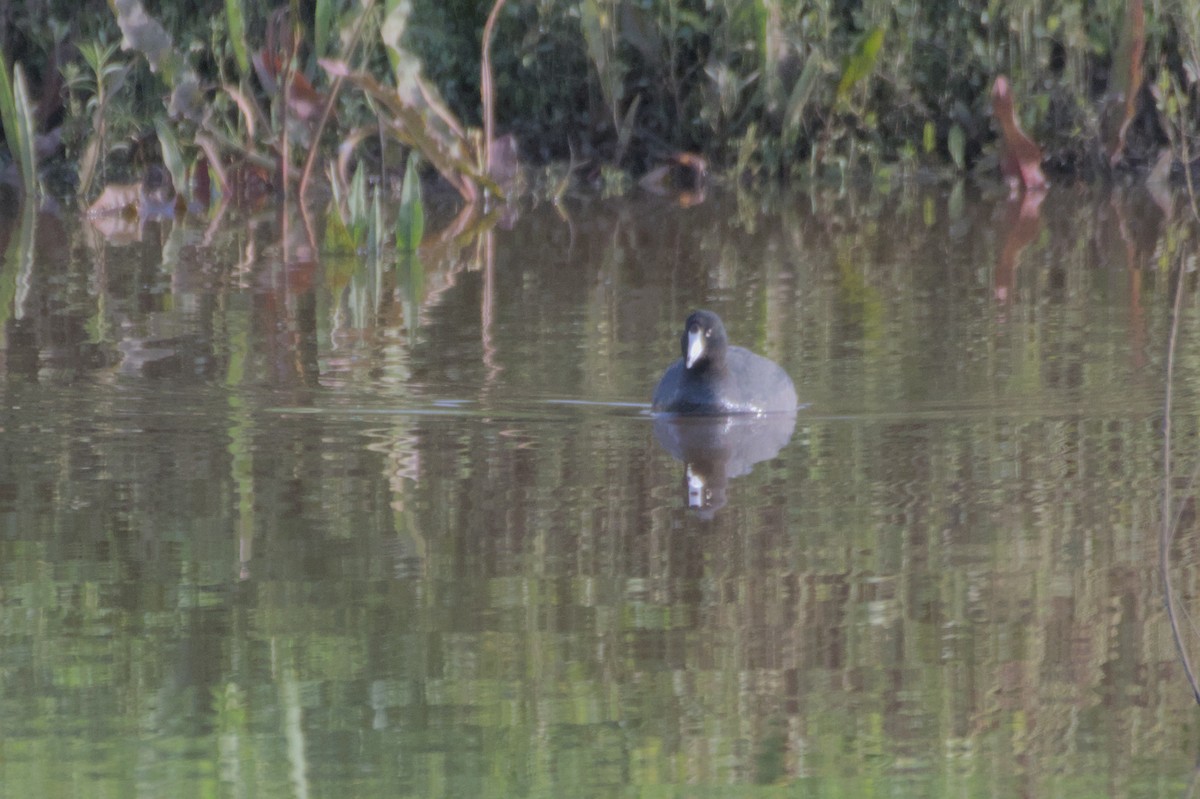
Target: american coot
column 714, row 378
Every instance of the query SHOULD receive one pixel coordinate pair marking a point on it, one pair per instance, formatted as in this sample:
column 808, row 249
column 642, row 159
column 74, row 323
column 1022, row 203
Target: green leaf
column 798, row 100
column 410, row 225
column 322, row 24
column 861, row 63
column 236, row 16
column 25, row 147
column 338, row 240
column 18, row 124
column 8, row 106
column 172, row 155
column 956, row 142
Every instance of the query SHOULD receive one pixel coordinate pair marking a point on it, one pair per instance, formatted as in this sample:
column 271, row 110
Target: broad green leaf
column 861, row 62
column 236, row 17
column 410, row 224
column 338, row 240
column 322, row 24
column 956, row 142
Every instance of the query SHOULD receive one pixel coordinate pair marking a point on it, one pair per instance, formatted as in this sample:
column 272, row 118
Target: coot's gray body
column 714, row 378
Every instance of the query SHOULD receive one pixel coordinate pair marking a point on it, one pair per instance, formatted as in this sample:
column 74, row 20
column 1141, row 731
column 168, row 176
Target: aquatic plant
column 1020, row 157
column 410, row 221
column 759, row 90
column 16, row 116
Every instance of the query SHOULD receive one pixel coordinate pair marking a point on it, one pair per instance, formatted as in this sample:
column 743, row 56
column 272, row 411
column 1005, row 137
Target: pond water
column 274, row 524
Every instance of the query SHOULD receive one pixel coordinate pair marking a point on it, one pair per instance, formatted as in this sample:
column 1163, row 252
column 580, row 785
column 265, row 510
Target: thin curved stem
column 1166, row 534
column 330, row 102
column 486, row 88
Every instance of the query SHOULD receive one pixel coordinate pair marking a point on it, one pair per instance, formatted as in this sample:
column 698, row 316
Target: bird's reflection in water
column 716, row 449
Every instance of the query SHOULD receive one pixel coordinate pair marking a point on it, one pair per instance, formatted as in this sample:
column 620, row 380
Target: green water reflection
column 278, row 526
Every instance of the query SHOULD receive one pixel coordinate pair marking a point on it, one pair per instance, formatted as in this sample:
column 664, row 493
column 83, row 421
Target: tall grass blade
column 25, row 116
column 18, row 124
column 8, row 107
column 802, row 92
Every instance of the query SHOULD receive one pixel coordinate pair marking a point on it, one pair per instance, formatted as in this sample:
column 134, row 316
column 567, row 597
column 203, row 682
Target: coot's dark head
column 703, row 341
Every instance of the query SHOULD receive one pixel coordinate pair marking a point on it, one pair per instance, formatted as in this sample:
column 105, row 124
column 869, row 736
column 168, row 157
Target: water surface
column 277, row 523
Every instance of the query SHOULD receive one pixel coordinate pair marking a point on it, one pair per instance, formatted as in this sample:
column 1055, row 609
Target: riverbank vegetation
column 671, row 93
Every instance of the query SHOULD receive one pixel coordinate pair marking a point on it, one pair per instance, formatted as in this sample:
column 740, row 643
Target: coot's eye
column 708, row 334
